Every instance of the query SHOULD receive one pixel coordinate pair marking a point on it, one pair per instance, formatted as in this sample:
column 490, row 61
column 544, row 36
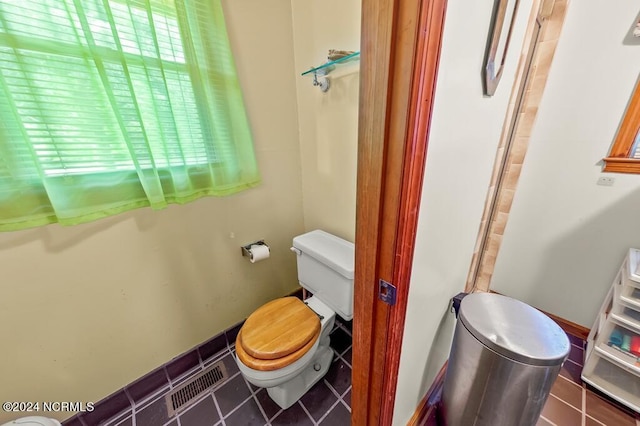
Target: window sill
column 621, row 165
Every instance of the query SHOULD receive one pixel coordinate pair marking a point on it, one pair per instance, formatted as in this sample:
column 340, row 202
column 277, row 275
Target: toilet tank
column 325, row 268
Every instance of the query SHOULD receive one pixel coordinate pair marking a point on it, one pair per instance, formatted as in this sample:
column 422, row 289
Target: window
column 625, row 153
column 109, row 105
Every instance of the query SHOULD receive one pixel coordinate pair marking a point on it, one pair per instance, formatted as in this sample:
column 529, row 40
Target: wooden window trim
column 618, row 160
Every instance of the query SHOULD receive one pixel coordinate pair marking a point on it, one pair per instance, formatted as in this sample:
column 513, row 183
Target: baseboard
column 426, row 413
column 570, row 327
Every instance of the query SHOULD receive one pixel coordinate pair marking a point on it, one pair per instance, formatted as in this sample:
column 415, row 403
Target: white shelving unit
column 612, row 362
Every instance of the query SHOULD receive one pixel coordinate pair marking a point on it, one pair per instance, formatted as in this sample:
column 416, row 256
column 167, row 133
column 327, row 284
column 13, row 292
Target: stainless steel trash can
column 504, row 359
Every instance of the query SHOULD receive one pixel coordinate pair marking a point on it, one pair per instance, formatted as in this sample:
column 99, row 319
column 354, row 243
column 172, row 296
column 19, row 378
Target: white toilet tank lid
column 33, row 421
column 333, row 251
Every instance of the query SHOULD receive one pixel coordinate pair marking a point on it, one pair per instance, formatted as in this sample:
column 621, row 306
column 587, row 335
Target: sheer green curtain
column 110, row 105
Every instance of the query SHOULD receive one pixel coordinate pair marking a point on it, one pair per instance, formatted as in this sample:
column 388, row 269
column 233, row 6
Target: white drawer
column 623, row 312
column 632, row 267
column 630, row 296
column 616, row 382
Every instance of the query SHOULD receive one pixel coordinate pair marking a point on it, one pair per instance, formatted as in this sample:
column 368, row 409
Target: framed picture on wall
column 504, row 15
column 632, row 37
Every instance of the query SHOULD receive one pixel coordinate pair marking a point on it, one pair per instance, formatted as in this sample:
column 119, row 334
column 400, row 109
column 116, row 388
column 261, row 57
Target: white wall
column 328, row 121
column 464, row 137
column 567, row 236
column 85, row 310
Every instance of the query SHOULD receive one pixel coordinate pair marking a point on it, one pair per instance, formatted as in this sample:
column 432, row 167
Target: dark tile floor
column 235, row 402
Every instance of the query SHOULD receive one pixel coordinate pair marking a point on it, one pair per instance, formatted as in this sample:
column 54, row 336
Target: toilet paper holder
column 246, row 249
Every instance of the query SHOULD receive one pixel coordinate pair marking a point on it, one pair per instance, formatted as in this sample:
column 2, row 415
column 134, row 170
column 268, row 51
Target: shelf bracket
column 323, row 83
column 320, row 78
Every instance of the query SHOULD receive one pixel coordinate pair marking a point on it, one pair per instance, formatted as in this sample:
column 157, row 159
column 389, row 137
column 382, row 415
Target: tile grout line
column 150, row 399
column 255, row 394
column 168, row 422
column 584, row 406
column 329, row 410
column 581, row 408
column 193, row 403
column 596, row 420
column 340, row 356
column 237, row 407
column 276, row 414
column 344, row 328
column 241, row 403
column 346, row 391
column 306, row 412
column 570, row 381
column 547, row 420
column 132, row 403
column 334, row 391
column 565, row 403
column 347, row 406
column 573, row 362
column 216, row 357
column 264, row 414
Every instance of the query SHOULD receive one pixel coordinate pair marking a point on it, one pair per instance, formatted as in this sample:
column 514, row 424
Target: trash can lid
column 514, row 329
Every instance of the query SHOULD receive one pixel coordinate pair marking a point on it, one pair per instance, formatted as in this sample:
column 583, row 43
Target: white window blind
column 100, row 87
column 65, row 69
column 635, row 150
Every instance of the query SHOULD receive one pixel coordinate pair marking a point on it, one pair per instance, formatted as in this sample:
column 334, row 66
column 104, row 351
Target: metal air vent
column 186, row 393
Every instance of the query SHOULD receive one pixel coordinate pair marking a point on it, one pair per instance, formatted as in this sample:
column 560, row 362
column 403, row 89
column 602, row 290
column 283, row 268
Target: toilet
column 33, row 421
column 284, row 345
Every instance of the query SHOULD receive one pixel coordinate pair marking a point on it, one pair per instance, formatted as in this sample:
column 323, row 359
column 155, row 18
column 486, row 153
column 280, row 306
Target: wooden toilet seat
column 277, row 334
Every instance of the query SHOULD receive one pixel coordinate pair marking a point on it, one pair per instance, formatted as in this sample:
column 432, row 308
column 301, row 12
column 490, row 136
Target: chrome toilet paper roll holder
column 246, row 249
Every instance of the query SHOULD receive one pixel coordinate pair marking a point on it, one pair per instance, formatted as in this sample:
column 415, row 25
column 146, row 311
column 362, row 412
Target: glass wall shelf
column 324, row 69
column 327, row 67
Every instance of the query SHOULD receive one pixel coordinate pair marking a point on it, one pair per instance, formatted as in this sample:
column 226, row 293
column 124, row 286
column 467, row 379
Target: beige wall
column 85, row 310
column 328, row 121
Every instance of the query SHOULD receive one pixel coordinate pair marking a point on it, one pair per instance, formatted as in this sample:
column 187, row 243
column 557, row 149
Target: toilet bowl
column 33, row 421
column 288, row 377
column 284, row 345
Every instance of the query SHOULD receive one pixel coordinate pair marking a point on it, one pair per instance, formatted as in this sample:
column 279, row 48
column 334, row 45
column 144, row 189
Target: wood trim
column 504, row 148
column 391, row 145
column 374, row 77
column 621, row 165
column 429, row 402
column 546, row 9
column 420, row 107
column 618, row 160
column 628, row 129
column 570, row 327
column 512, row 150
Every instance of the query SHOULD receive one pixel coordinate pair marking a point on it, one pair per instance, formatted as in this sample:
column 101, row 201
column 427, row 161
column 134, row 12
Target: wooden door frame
column 400, row 50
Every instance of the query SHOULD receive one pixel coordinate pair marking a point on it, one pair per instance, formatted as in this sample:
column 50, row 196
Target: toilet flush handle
column 296, row 251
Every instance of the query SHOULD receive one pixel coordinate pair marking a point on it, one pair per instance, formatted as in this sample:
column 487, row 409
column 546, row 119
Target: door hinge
column 387, row 292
